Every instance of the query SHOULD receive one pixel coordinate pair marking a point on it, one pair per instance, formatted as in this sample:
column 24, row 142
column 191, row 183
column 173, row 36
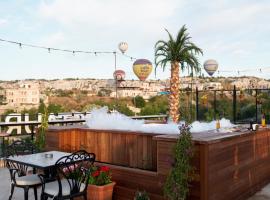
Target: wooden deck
column 229, row 165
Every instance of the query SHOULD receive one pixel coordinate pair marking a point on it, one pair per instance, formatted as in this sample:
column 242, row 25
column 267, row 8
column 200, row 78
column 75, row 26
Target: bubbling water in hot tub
column 101, row 119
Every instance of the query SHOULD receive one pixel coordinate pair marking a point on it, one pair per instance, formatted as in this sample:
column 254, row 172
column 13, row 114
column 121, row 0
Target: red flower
column 95, row 174
column 104, row 169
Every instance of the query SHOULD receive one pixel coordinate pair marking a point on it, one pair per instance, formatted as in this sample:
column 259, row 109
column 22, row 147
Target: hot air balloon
column 123, row 46
column 210, row 66
column 119, row 75
column 142, row 68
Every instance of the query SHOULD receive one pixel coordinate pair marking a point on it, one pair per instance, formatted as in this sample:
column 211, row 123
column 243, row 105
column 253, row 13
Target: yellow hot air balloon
column 142, row 68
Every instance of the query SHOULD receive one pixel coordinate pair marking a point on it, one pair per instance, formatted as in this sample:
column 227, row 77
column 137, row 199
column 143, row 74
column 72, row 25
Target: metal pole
column 256, row 103
column 215, row 104
column 197, row 104
column 234, row 104
column 32, row 136
column 115, row 78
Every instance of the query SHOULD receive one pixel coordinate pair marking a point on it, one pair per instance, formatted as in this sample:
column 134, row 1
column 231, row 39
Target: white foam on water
column 101, row 119
column 206, row 126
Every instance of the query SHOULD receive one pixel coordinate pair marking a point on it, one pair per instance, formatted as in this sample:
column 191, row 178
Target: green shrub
column 177, row 183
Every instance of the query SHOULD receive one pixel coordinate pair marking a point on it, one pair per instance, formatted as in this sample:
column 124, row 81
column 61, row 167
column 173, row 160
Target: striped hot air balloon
column 210, row 66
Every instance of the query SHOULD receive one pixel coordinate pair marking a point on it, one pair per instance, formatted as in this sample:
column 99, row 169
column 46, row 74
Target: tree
column 2, row 100
column 157, row 105
column 180, row 53
column 104, row 92
column 54, row 108
column 150, row 110
column 139, row 102
column 41, row 107
column 122, row 108
column 32, row 113
column 40, row 136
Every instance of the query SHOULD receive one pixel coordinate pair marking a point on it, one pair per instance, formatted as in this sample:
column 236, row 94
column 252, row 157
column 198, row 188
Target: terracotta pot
column 104, row 192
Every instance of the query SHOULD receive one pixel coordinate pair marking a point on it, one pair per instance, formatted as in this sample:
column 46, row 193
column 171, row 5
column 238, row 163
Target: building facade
column 23, row 96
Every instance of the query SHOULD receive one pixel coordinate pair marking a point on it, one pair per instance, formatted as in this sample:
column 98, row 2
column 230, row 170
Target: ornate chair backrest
column 17, row 148
column 74, row 169
column 20, row 147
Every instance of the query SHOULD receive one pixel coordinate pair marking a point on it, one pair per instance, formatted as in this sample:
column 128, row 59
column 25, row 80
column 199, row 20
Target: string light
column 245, row 70
column 116, row 53
column 65, row 50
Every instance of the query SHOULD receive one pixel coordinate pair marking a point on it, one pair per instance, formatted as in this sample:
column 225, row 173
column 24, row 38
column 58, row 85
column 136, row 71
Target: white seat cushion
column 28, row 180
column 53, row 189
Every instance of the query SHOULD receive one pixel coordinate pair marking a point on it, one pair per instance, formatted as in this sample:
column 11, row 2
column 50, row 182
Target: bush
column 177, row 183
column 139, row 102
column 156, row 105
column 54, row 108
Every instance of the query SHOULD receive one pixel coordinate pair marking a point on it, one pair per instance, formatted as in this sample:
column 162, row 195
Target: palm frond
column 180, row 49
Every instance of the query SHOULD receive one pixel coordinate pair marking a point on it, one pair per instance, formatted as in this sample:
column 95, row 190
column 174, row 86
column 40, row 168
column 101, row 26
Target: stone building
column 23, row 96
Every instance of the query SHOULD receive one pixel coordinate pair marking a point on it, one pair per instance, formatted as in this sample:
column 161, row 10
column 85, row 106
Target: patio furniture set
column 60, row 175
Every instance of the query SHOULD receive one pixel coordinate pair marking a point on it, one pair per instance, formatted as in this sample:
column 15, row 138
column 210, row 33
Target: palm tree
column 179, row 52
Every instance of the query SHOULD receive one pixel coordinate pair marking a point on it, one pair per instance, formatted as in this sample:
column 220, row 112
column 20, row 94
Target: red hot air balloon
column 119, row 75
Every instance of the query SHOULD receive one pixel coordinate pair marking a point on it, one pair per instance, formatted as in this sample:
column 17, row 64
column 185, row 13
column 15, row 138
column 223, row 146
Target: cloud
column 236, row 33
column 106, row 12
column 53, row 40
column 118, row 18
column 232, row 18
column 233, row 32
column 3, row 22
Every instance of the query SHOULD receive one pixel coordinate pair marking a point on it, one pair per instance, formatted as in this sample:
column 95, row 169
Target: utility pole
column 115, row 79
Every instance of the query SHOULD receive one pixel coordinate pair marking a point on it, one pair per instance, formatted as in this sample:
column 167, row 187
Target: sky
column 233, row 32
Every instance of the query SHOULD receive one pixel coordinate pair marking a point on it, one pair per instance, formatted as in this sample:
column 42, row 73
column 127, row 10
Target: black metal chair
column 72, row 177
column 19, row 173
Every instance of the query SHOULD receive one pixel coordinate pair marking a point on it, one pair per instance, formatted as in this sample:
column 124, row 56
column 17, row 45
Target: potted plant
column 100, row 184
column 141, row 195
